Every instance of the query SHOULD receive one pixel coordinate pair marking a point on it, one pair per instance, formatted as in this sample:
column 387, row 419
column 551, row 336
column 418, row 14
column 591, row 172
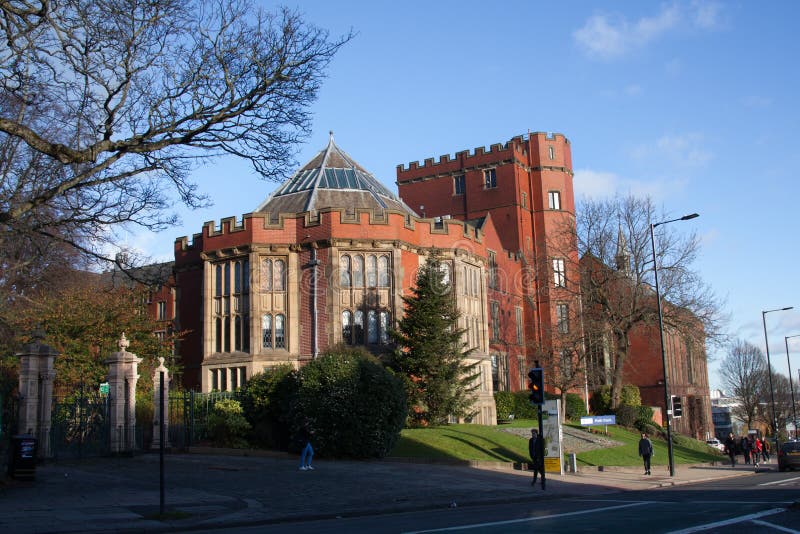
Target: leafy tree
column 431, row 352
column 744, row 373
column 266, row 400
column 352, row 404
column 83, row 321
column 616, row 282
column 106, row 107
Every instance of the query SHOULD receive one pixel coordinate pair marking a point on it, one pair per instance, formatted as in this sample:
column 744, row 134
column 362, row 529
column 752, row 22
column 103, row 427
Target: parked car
column 717, row 444
column 789, row 456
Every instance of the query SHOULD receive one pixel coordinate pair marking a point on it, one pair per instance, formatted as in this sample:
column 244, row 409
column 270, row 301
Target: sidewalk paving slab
column 218, row 490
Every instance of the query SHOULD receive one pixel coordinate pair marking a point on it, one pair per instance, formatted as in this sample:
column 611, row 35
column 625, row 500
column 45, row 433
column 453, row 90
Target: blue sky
column 693, row 103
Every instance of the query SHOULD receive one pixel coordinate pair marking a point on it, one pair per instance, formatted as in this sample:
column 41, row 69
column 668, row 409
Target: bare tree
column 617, row 282
column 106, row 107
column 744, row 372
column 564, row 365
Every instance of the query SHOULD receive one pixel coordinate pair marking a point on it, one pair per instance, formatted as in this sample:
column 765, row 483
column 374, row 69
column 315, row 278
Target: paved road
column 205, row 491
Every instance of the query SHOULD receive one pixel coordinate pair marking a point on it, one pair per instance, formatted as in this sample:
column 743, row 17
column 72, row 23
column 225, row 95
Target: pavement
column 213, row 488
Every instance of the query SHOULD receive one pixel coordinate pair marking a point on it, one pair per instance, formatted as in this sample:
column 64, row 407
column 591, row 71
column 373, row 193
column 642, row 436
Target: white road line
column 732, row 521
column 530, row 519
column 774, row 526
column 779, row 481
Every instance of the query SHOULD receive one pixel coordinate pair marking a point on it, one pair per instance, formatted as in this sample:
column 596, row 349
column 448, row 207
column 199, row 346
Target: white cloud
column 589, row 183
column 609, row 37
column 684, row 150
column 706, row 15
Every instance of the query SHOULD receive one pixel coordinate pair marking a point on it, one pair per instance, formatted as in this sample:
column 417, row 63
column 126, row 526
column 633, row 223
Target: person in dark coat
column 746, row 447
column 535, row 452
column 730, row 449
column 646, row 452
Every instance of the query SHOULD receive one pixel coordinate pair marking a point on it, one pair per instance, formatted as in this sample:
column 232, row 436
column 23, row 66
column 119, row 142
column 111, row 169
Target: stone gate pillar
column 156, row 412
column 122, row 378
column 36, row 375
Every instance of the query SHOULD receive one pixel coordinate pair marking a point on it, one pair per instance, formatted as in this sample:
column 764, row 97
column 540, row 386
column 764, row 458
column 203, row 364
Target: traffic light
column 677, row 407
column 536, row 385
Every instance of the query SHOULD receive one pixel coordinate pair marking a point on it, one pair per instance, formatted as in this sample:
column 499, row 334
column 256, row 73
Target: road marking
column 779, row 481
column 529, row 519
column 774, row 526
column 732, row 521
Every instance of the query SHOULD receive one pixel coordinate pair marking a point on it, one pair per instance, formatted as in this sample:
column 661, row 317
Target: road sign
column 104, row 388
column 594, row 420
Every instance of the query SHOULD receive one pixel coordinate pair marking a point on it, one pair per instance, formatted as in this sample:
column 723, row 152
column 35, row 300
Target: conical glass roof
column 332, row 179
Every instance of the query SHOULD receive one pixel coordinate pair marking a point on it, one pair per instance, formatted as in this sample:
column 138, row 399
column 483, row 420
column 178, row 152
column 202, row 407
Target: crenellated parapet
column 473, row 158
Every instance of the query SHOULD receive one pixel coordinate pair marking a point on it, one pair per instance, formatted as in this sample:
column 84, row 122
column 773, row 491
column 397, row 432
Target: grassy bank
column 492, row 443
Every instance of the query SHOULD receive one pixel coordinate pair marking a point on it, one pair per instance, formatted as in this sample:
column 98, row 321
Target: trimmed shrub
column 266, row 399
column 630, row 396
column 353, row 406
column 505, row 403
column 523, row 409
column 575, row 407
column 227, row 426
column 627, row 415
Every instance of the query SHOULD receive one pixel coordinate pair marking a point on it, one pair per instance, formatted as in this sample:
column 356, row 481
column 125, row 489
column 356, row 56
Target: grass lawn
column 491, row 443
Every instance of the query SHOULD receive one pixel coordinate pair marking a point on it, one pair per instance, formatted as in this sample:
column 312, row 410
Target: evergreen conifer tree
column 431, row 352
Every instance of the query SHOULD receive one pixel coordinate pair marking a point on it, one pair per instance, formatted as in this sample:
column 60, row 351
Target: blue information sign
column 593, row 420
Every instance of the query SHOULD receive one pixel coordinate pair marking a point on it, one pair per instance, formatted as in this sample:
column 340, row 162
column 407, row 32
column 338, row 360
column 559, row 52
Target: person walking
column 646, row 452
column 730, row 448
column 746, row 446
column 765, row 449
column 535, row 452
column 756, row 453
column 307, row 453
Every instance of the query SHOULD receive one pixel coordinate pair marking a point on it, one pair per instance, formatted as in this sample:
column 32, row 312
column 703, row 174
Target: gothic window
column 344, row 271
column 492, row 270
column 562, row 317
column 273, row 331
column 368, row 270
column 347, row 327
column 518, row 314
column 358, row 327
column 383, row 271
column 559, row 273
column 372, row 327
column 273, row 275
column 384, row 326
column 358, row 271
column 266, row 331
column 372, row 271
column 232, row 308
column 552, row 152
column 495, row 320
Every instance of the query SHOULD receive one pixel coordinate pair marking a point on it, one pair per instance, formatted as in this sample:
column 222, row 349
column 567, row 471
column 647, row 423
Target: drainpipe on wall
column 314, row 263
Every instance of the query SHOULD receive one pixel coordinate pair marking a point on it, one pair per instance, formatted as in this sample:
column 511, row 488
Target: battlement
column 495, row 148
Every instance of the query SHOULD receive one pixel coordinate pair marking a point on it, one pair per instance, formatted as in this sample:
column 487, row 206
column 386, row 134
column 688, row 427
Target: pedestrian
column 535, row 452
column 730, row 448
column 307, row 453
column 765, row 449
column 646, row 452
column 746, row 449
column 757, row 448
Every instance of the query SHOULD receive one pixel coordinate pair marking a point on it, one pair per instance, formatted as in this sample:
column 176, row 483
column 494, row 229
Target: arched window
column 358, row 271
column 372, row 327
column 266, row 275
column 266, row 331
column 280, row 334
column 344, row 271
column 347, row 327
column 358, row 327
column 383, row 271
column 384, row 323
column 279, row 276
column 372, row 271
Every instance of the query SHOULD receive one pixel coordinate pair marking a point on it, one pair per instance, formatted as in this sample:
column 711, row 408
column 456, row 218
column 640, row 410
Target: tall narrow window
column 344, row 271
column 524, row 199
column 372, row 271
column 266, row 332
column 162, row 310
column 280, row 332
column 492, row 270
column 384, row 324
column 518, row 316
column 347, row 327
column 495, row 320
column 562, row 317
column 559, row 273
column 358, row 271
column 554, row 200
column 490, row 178
column 459, row 184
column 266, row 275
column 552, row 152
column 279, row 276
column 383, row 271
column 358, row 327
column 372, row 327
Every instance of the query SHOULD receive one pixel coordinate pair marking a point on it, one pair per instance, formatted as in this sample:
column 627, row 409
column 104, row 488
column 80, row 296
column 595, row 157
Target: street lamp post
column 667, row 407
column 769, row 373
column 791, row 382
